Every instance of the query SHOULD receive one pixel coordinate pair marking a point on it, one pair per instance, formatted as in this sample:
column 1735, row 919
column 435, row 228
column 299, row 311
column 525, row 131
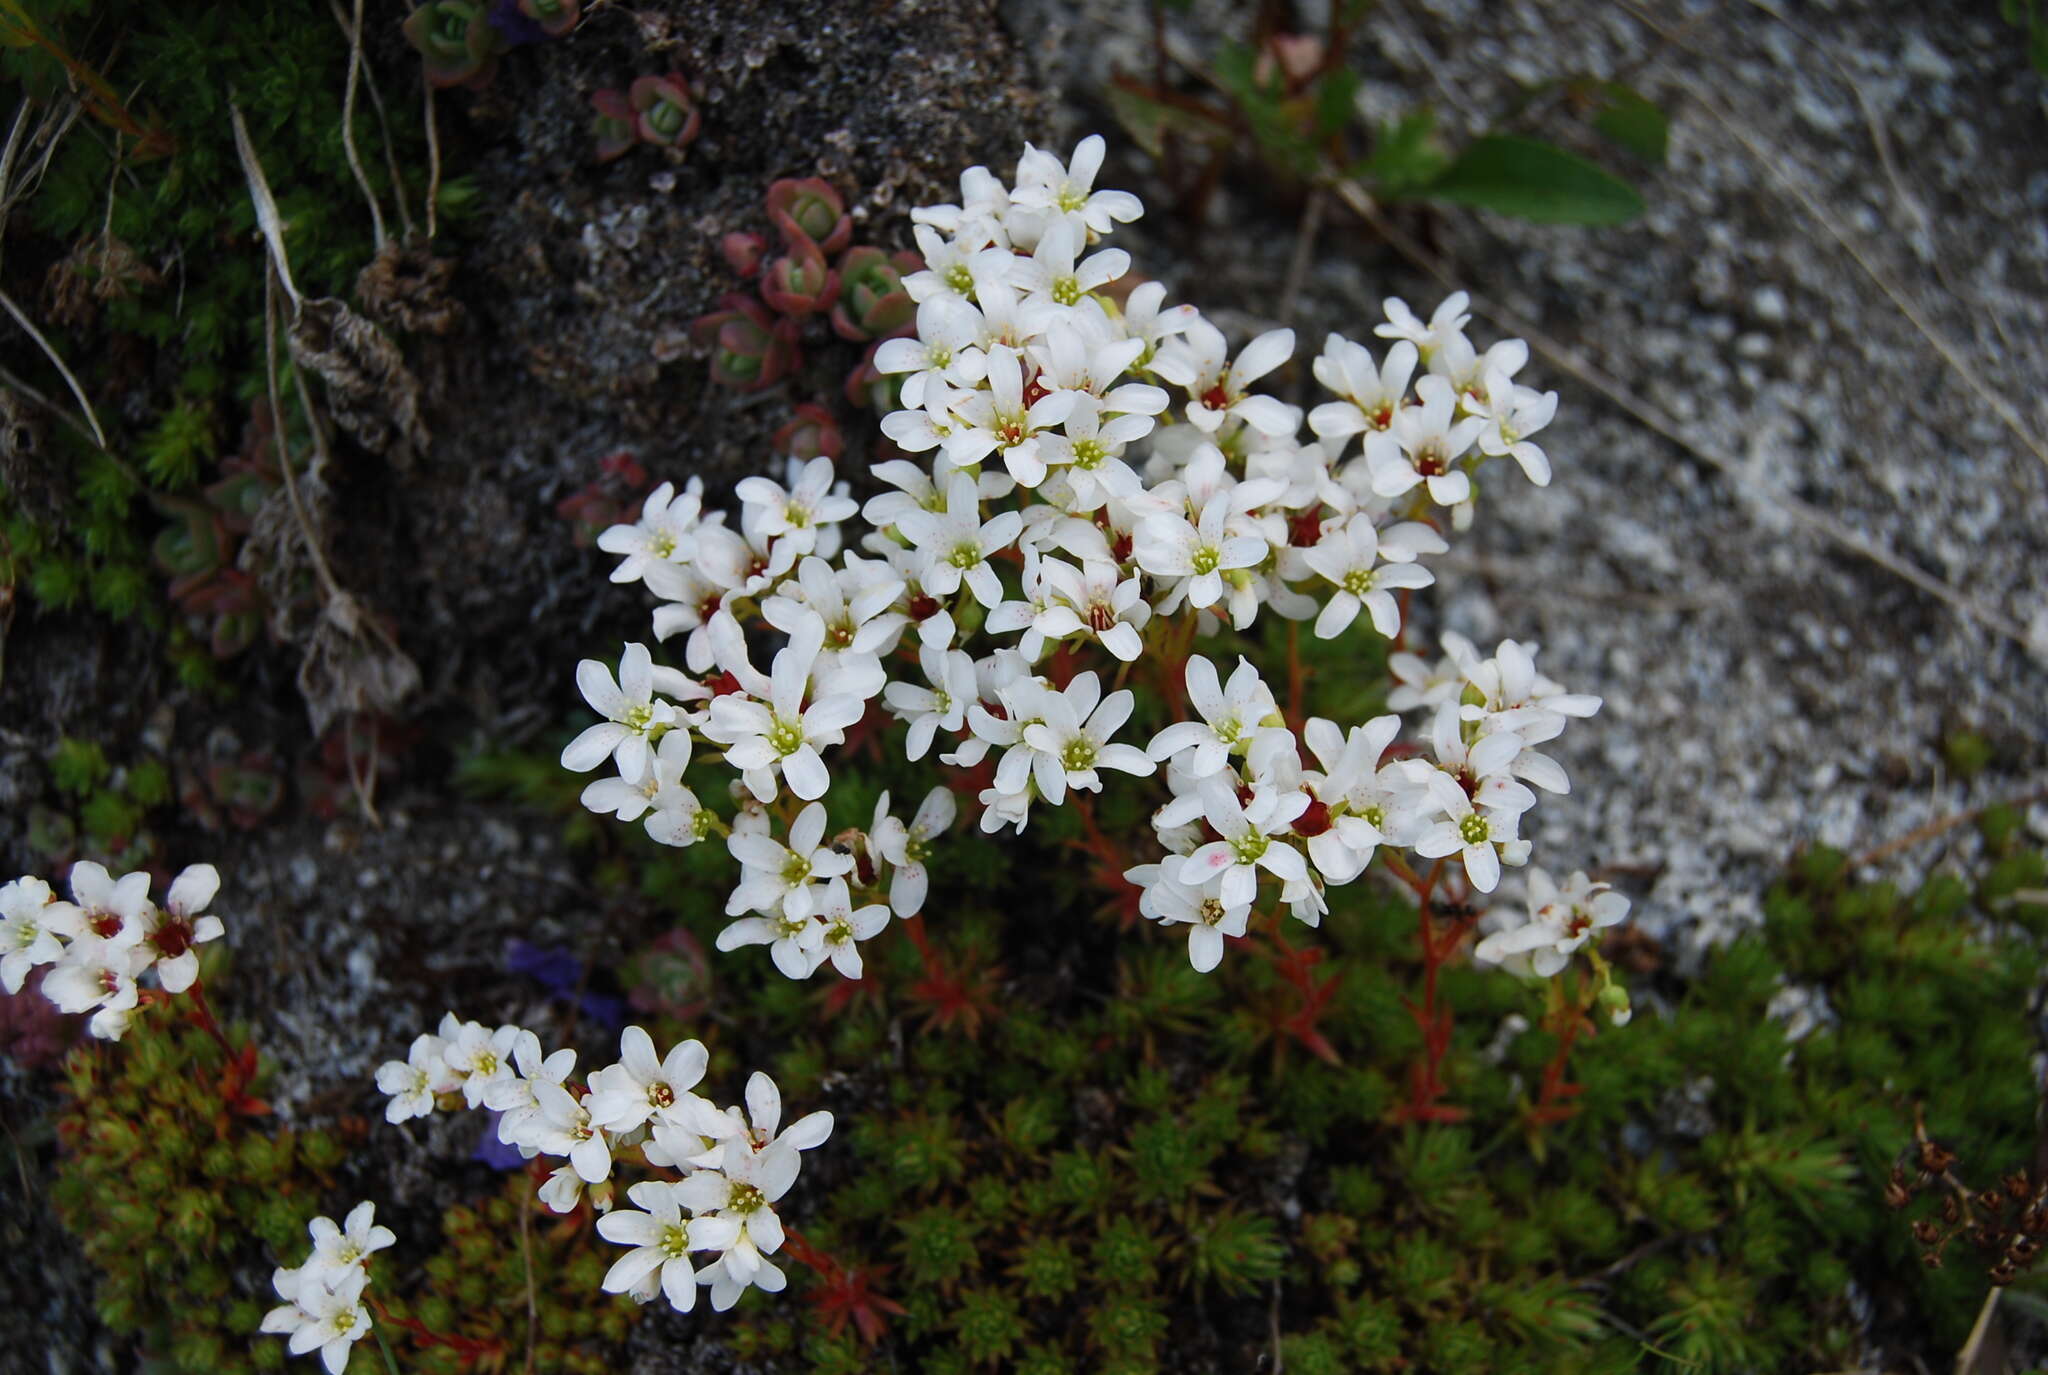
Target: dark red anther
column 724, row 685
column 1216, row 399
column 923, row 607
column 1035, row 390
column 1306, row 529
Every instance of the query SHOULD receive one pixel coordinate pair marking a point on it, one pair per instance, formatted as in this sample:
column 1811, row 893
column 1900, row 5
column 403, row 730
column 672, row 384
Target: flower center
column 1101, row 617
column 1066, row 290
column 1205, row 559
column 173, row 938
column 745, row 1199
column 1010, row 431
column 795, row 869
column 1072, row 198
column 1249, row 846
column 1079, row 755
column 839, row 932
column 938, row 356
column 661, row 1095
column 662, row 545
column 965, row 556
column 792, row 927
column 638, row 718
column 675, row 1240
column 839, row 636
column 1472, row 829
column 959, row 279
column 1211, row 911
column 1380, row 416
column 1358, row 581
column 1089, row 453
column 1429, row 459
column 785, row 737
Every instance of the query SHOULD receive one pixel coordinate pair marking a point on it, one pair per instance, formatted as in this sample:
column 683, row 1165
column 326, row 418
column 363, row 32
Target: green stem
column 384, row 1348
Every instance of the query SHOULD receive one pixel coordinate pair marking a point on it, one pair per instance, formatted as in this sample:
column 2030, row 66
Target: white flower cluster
column 323, row 1297
column 1101, row 478
column 1244, row 801
column 733, row 1164
column 105, row 939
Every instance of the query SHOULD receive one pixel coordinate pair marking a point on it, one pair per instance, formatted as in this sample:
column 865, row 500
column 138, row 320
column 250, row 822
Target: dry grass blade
column 57, row 361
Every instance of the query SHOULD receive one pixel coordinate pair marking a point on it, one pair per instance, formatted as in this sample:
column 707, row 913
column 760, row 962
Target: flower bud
column 1614, row 1002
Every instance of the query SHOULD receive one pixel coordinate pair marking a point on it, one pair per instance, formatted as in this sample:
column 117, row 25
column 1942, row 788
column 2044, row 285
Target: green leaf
column 1335, row 94
column 1535, row 181
column 1632, row 121
column 1405, row 156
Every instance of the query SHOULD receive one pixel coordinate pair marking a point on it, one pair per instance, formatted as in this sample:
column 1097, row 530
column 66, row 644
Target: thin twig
column 50, row 352
column 383, row 128
column 1940, row 826
column 433, row 163
column 526, row 1256
column 271, row 281
column 1304, row 249
column 1655, row 420
column 348, row 120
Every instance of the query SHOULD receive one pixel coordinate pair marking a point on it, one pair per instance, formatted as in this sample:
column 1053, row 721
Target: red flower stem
column 202, row 1016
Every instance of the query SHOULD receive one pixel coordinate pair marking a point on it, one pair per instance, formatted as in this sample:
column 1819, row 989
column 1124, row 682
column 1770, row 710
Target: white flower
column 320, row 1316
column 795, row 941
column 1513, row 414
column 632, row 714
column 641, row 1087
column 798, row 514
column 33, row 929
column 845, row 926
column 943, row 353
column 1198, row 554
column 1166, row 899
column 942, row 706
column 1372, row 392
column 859, row 625
column 1251, row 840
column 1070, row 741
column 1449, row 319
column 1370, row 804
column 955, row 544
column 1424, row 445
column 665, row 532
column 662, row 1239
column 184, row 924
column 115, row 911
column 1096, row 600
column 565, row 1129
column 479, row 1057
column 413, row 1082
column 1196, row 361
column 1345, row 558
column 1230, row 714
column 1046, row 185
column 744, row 1191
column 780, row 734
column 999, row 419
column 1052, row 273
column 1558, row 922
column 339, row 1250
column 512, row 1096
column 777, row 877
column 905, row 847
column 97, row 974
column 1088, row 455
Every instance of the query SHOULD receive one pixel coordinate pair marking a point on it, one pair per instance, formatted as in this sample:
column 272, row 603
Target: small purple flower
column 495, row 1153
